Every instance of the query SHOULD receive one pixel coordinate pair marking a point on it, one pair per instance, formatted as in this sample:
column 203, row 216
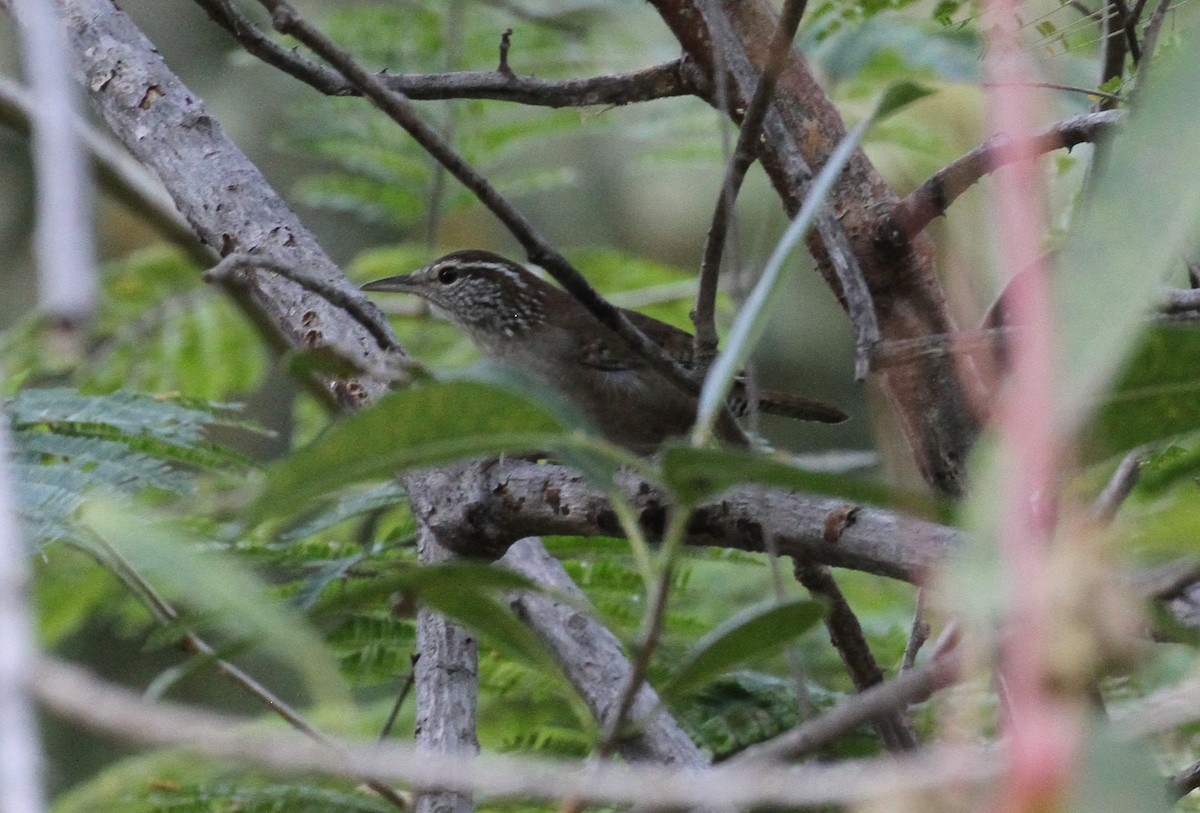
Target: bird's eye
column 447, row 276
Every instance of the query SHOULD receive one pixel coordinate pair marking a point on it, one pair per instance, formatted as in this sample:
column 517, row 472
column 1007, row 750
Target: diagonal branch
column 704, row 315
column 168, row 129
column 397, row 107
column 846, row 635
column 931, row 199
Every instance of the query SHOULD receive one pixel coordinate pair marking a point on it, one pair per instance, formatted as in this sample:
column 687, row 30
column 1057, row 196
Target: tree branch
column 483, row 507
column 728, row 41
column 846, row 635
column 704, row 314
column 447, row 681
column 593, row 660
column 666, row 80
column 932, row 198
column 871, row 704
column 397, row 107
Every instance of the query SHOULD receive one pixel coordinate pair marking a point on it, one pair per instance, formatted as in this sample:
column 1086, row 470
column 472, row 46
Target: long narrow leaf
column 760, row 631
column 750, row 323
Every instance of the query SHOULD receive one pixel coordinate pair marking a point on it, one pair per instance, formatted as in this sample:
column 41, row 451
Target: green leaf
column 1120, row 255
column 753, row 633
column 694, row 475
column 898, row 96
column 1157, row 394
column 750, row 324
column 421, row 425
column 221, row 587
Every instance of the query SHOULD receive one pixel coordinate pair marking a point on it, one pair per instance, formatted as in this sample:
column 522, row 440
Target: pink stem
column 1042, row 730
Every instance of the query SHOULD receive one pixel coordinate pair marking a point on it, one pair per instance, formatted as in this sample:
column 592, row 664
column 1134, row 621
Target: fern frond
column 66, row 444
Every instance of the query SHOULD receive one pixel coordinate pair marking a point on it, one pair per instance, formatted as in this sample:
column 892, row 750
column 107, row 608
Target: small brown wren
column 518, row 319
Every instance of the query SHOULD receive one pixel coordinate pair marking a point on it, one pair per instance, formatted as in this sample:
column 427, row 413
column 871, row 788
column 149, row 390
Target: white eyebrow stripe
column 506, row 270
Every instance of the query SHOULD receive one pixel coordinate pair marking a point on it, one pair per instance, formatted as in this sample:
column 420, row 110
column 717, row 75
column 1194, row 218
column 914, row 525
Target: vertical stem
column 20, row 750
column 66, row 273
column 447, row 686
column 1042, row 728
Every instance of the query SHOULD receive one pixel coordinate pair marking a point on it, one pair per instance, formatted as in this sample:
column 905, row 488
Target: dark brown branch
column 847, row 637
column 1150, row 41
column 744, row 152
column 1128, row 21
column 877, row 702
column 666, row 80
column 932, row 198
column 397, row 107
column 1114, row 50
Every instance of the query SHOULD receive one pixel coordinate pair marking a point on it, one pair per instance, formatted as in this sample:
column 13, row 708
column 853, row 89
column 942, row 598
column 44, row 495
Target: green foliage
column 67, row 445
column 424, row 424
column 159, row 329
column 377, row 172
column 749, row 634
column 1156, row 395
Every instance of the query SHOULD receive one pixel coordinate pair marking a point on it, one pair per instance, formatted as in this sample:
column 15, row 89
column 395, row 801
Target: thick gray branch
column 220, row 193
column 232, row 207
column 592, row 659
column 482, row 508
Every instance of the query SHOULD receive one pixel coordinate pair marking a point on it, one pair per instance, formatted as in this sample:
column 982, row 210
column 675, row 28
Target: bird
column 516, row 318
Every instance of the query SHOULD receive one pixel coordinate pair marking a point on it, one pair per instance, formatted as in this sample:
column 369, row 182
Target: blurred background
column 626, row 192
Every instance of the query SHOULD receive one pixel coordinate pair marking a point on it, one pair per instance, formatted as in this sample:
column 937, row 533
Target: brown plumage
column 516, row 318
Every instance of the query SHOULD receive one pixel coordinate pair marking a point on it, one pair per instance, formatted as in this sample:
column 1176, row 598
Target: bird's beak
column 398, row 284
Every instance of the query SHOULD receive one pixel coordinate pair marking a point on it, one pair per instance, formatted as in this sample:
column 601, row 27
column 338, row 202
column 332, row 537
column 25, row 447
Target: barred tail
column 796, row 407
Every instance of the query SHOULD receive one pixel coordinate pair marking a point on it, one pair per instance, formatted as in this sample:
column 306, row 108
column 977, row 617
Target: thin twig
column 1150, row 42
column 539, row 252
column 872, row 704
column 1112, row 62
column 918, row 635
column 932, row 198
column 74, row 695
column 846, row 635
column 350, row 300
column 665, row 80
column 704, row 315
column 410, row 680
column 1056, row 86
column 165, row 614
column 505, row 44
column 1104, row 509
